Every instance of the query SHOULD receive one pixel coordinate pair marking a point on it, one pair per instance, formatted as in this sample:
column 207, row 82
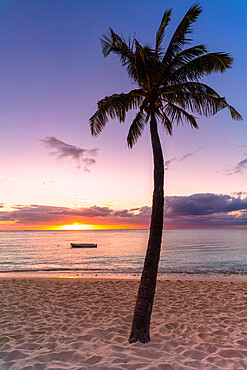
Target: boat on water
column 83, row 245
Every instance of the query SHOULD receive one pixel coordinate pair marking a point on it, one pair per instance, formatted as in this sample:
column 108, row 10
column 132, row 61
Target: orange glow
column 76, row 227
column 10, row 226
column 118, row 227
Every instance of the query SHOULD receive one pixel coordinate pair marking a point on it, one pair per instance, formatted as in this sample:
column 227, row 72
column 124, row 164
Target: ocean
column 122, row 252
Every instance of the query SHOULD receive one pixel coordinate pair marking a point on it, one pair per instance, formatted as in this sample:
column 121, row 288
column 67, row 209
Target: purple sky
column 52, row 74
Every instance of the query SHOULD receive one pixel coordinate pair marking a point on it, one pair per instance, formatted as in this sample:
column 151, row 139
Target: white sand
column 85, row 324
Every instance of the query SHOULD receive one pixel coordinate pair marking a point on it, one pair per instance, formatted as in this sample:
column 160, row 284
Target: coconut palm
column 169, row 91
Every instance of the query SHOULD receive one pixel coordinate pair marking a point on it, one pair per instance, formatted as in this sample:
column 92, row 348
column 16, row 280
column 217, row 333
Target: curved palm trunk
column 144, row 303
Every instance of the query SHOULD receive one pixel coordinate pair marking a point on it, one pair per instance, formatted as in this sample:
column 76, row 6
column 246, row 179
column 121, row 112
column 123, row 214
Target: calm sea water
column 122, row 252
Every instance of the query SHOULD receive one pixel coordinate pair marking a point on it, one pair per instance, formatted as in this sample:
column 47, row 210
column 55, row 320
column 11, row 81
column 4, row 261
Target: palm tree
column 169, row 91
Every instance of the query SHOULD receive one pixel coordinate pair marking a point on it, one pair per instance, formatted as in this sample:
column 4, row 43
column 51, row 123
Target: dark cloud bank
column 197, row 210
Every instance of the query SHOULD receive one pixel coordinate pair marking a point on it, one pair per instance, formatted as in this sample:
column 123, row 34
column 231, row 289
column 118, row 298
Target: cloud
column 239, row 194
column 206, row 210
column 61, row 150
column 134, row 214
column 82, row 199
column 185, row 156
column 242, row 146
column 41, row 214
column 203, row 204
column 1, row 205
column 88, row 162
column 169, row 162
column 197, row 210
column 239, row 168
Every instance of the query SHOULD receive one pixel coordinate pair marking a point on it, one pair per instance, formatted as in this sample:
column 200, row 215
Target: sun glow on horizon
column 76, row 226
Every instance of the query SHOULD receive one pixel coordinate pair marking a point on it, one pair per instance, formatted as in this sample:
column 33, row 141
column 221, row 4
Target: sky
column 55, row 175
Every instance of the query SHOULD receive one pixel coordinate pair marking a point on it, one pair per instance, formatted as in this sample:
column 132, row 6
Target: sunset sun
column 76, row 227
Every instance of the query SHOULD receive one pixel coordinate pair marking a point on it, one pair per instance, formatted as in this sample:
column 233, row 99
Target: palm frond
column 178, row 115
column 144, row 106
column 201, row 66
column 161, row 31
column 115, row 106
column 234, row 113
column 180, row 60
column 142, row 72
column 113, row 43
column 186, row 56
column 154, row 66
column 191, row 86
column 179, row 37
column 164, row 120
column 202, row 104
column 198, row 98
column 136, row 129
column 198, row 87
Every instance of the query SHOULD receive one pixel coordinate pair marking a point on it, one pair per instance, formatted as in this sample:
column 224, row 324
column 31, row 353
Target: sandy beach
column 85, row 323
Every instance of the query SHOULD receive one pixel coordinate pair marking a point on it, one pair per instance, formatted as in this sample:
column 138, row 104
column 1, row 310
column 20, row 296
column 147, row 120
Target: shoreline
column 241, row 277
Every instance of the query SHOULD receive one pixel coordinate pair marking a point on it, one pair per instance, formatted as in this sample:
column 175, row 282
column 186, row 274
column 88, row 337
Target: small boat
column 83, row 245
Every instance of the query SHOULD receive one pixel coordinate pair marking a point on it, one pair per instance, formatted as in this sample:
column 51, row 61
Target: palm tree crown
column 168, row 81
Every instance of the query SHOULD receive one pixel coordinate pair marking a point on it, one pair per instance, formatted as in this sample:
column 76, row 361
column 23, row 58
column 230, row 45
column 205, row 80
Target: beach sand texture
column 85, row 324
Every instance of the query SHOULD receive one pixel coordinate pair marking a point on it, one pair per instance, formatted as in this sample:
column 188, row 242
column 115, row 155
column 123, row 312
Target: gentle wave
column 169, row 271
